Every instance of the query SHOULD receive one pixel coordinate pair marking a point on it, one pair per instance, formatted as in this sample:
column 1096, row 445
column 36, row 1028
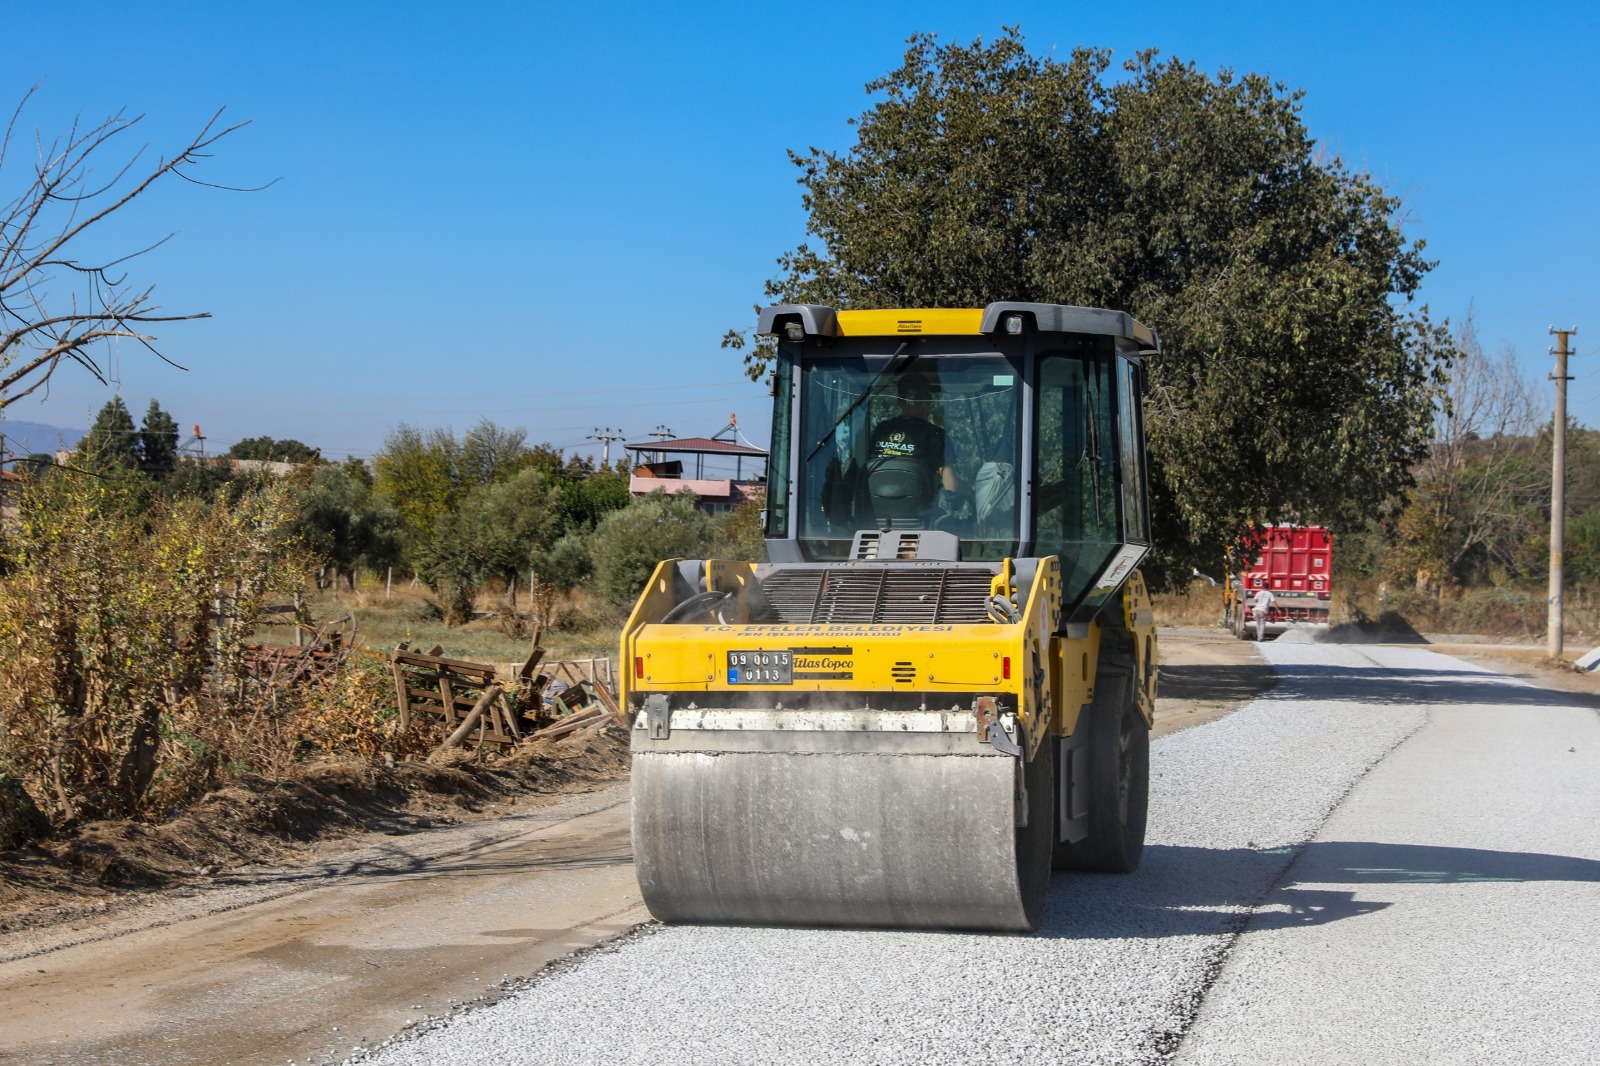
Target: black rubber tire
column 1035, row 840
column 1118, row 766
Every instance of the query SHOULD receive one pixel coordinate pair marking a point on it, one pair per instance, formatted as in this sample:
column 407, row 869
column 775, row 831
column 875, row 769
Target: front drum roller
column 858, row 827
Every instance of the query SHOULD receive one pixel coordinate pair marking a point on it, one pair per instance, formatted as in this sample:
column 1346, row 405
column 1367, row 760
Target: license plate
column 760, row 668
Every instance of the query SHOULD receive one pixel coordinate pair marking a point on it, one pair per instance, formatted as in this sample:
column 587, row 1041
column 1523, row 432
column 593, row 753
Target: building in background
column 727, row 469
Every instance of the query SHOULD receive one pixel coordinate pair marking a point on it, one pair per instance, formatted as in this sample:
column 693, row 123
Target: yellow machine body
column 905, row 718
column 1050, row 676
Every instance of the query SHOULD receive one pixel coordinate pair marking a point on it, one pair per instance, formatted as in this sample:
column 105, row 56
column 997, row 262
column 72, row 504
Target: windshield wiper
column 895, row 365
column 1092, row 455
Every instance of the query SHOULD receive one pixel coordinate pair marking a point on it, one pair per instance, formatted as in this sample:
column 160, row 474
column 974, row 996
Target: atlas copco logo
column 817, row 662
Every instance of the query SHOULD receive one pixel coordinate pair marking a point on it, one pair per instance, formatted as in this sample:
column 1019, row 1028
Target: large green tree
column 419, row 471
column 506, row 525
column 1297, row 379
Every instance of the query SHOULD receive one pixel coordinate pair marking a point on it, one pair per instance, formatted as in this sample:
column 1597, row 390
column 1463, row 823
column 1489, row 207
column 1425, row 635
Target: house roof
column 696, row 446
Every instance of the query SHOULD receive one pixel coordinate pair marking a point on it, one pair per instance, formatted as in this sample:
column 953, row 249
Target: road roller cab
column 941, row 683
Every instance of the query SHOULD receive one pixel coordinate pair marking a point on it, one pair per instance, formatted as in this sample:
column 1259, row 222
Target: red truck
column 1296, row 564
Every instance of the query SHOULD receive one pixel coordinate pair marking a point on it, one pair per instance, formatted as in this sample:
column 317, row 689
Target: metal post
column 216, row 607
column 1558, row 491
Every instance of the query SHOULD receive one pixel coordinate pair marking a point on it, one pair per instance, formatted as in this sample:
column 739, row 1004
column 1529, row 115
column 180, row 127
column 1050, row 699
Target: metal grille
column 903, row 595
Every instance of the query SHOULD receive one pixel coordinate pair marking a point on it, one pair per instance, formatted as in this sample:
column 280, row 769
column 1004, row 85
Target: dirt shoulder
column 315, row 961
column 1205, row 674
column 256, row 825
column 1525, row 662
column 327, row 913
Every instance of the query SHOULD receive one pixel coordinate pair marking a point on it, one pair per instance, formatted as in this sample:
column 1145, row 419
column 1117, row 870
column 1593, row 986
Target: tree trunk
column 21, row 821
column 138, row 766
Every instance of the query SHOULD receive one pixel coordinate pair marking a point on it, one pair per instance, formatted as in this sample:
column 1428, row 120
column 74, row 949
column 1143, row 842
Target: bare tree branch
column 1480, row 478
column 46, row 206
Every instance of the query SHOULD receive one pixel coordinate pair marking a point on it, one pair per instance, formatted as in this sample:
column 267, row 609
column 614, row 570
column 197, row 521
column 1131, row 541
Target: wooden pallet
column 456, row 691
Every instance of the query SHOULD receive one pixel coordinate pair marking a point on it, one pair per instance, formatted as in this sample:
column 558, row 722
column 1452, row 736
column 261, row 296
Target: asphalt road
column 1390, row 857
column 1467, row 868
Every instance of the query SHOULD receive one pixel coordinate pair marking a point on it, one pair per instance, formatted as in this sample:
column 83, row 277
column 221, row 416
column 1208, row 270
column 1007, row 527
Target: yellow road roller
column 940, row 685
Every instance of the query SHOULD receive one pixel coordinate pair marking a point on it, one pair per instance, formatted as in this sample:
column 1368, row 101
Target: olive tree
column 627, row 544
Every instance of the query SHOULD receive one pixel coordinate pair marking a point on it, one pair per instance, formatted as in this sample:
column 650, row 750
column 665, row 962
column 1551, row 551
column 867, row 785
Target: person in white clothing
column 1259, row 606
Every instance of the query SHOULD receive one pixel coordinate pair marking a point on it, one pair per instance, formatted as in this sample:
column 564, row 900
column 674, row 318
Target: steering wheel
column 710, row 605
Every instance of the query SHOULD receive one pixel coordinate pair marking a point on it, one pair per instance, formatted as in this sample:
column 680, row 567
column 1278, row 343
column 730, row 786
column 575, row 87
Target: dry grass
column 404, row 613
column 121, row 629
column 128, row 687
column 1198, row 605
column 1493, row 611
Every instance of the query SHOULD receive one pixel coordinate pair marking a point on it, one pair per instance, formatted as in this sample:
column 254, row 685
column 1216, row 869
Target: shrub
column 568, row 562
column 350, row 713
column 627, row 544
column 122, row 625
column 742, row 536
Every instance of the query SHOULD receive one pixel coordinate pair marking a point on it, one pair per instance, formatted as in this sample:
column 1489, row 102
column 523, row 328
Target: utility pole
column 605, row 438
column 663, row 433
column 1558, row 489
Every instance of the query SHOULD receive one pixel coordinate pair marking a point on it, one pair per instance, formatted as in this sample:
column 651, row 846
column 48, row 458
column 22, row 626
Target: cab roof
column 820, row 320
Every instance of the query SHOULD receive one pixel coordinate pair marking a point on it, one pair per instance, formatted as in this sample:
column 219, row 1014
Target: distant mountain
column 24, row 437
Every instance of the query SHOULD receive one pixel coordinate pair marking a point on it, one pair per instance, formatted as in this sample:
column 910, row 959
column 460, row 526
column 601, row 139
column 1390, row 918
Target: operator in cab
column 906, row 456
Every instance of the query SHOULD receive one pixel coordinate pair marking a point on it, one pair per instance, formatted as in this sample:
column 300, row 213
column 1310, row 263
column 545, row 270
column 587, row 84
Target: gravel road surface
column 1392, row 856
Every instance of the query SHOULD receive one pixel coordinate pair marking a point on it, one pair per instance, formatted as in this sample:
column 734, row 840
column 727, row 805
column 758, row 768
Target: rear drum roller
column 1118, row 767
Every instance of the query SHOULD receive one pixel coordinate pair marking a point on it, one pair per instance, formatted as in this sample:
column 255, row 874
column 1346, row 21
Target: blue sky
column 548, row 215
